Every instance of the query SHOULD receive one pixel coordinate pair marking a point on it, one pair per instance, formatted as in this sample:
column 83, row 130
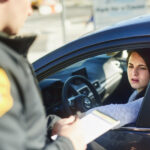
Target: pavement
column 49, row 29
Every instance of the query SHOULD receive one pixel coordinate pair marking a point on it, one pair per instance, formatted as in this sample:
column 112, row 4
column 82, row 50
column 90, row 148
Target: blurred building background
column 56, row 22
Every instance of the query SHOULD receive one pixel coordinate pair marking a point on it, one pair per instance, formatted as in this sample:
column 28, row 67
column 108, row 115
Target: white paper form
column 95, row 124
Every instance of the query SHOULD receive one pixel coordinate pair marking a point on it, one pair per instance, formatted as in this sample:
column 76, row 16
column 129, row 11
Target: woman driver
column 138, row 75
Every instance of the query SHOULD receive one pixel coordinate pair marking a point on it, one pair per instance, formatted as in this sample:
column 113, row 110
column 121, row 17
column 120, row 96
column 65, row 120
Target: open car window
column 106, row 72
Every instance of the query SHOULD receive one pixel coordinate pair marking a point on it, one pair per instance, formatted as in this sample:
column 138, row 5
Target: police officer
column 22, row 117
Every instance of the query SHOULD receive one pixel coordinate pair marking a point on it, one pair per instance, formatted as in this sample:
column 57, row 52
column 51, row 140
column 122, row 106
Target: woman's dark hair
column 144, row 53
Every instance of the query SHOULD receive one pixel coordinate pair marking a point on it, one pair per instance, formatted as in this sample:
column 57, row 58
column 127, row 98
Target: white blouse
column 126, row 113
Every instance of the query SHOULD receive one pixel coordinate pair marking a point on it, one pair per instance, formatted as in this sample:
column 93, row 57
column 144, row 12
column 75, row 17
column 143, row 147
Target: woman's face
column 138, row 73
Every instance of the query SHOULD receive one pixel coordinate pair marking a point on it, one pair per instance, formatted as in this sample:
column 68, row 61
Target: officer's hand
column 62, row 122
column 73, row 131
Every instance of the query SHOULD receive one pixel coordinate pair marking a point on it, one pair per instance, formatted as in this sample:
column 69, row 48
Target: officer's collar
column 19, row 44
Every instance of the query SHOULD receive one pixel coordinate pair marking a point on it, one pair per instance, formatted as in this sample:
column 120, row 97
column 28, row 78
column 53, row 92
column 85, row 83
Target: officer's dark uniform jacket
column 22, row 117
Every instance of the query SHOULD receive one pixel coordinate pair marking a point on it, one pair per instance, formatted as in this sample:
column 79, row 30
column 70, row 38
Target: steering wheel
column 81, row 101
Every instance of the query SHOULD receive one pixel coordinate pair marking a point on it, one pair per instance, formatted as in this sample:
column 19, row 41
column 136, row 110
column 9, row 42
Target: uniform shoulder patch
column 6, row 100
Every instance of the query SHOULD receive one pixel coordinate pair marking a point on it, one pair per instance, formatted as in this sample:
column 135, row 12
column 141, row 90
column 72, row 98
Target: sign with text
column 109, row 12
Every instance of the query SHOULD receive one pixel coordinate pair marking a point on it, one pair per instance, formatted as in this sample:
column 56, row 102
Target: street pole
column 63, row 21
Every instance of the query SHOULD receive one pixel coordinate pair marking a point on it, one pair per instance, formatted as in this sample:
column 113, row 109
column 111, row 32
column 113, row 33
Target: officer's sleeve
column 51, row 120
column 61, row 143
